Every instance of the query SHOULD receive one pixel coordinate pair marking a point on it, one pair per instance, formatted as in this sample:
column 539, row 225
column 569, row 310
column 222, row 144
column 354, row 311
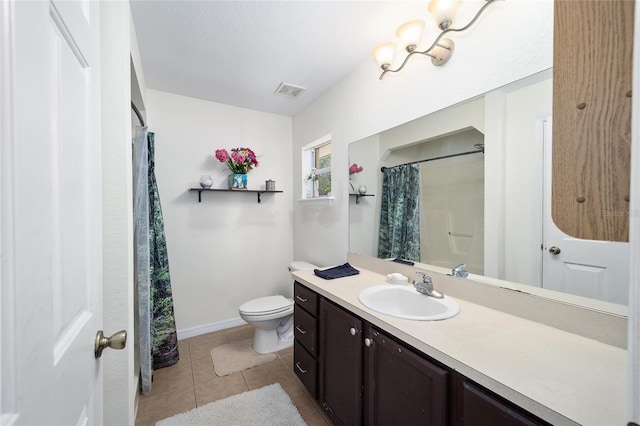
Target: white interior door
column 590, row 268
column 51, row 207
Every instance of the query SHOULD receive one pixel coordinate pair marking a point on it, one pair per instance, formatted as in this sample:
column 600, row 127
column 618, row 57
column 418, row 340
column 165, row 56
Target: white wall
column 138, row 82
column 513, row 39
column 227, row 249
column 120, row 378
column 364, row 222
column 434, row 126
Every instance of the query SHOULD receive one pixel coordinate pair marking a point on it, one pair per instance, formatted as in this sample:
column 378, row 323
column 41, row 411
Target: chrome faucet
column 459, row 271
column 426, row 286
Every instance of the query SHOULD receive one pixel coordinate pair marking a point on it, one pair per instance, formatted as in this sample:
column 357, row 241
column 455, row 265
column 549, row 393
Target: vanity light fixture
column 409, row 36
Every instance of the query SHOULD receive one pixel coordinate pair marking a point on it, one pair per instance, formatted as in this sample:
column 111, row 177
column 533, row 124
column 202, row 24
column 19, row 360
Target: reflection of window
column 316, row 168
column 322, row 159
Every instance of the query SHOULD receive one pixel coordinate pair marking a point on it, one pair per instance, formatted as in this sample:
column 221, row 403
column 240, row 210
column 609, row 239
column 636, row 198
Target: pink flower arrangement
column 241, row 160
column 354, row 168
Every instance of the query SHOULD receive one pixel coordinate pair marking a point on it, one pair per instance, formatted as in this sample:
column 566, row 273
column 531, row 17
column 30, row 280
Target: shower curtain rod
column 137, row 111
column 480, row 149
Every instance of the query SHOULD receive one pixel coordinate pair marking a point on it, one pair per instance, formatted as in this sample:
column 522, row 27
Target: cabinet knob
column 368, row 342
column 352, row 330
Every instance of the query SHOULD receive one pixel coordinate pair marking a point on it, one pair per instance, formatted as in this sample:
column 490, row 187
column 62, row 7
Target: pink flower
column 252, row 156
column 222, row 155
column 354, row 168
column 237, row 157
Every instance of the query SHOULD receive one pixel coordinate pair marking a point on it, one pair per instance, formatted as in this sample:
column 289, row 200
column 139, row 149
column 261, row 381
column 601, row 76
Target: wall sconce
column 409, row 36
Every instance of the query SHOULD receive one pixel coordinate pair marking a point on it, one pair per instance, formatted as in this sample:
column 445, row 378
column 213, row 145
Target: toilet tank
column 298, row 265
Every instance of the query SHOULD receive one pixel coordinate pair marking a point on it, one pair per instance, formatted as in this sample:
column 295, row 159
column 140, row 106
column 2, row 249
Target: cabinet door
column 592, row 118
column 480, row 407
column 401, row 387
column 340, row 364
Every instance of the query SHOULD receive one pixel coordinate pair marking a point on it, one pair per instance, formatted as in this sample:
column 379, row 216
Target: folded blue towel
column 345, row 270
column 404, row 262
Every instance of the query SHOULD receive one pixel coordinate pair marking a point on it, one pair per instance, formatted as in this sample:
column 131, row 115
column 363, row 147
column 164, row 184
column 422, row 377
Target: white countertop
column 561, row 377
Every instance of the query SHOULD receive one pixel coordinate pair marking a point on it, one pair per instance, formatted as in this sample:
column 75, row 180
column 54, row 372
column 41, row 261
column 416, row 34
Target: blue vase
column 238, row 181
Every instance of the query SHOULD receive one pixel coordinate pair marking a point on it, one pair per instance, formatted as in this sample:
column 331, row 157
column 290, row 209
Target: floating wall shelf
column 250, row 191
column 360, row 195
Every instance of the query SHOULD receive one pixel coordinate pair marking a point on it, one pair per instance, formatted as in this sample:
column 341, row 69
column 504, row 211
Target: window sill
column 317, row 201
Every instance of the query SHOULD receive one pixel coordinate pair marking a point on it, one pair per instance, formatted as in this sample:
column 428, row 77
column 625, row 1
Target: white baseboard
column 209, row 328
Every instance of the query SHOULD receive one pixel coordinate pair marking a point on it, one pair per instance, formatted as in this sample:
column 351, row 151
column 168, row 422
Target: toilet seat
column 268, row 305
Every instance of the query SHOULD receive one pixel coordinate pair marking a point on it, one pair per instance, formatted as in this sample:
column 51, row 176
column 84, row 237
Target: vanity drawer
column 305, row 327
column 305, row 298
column 306, row 368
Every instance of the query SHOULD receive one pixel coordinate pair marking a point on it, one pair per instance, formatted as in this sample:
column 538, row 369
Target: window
column 316, row 169
column 323, row 168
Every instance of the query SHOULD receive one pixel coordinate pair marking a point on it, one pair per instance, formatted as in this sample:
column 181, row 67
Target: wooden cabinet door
column 480, row 407
column 401, row 387
column 340, row 363
column 592, row 118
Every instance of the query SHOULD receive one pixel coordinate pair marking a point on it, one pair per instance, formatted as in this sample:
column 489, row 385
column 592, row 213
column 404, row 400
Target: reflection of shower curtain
column 157, row 336
column 400, row 213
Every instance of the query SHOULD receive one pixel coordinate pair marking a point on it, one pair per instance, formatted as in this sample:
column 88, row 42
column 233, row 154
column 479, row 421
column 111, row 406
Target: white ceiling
column 238, row 52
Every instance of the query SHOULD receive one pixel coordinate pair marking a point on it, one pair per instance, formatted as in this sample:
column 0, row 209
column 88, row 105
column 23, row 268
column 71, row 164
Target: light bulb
column 410, row 32
column 443, row 11
column 384, row 54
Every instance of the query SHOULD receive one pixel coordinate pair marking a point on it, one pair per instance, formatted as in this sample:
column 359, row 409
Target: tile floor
column 192, row 382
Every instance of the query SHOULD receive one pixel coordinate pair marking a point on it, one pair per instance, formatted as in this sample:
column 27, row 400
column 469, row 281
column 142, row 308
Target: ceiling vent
column 289, row 90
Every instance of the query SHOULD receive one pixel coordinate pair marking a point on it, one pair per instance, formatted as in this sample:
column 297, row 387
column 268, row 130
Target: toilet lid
column 266, row 305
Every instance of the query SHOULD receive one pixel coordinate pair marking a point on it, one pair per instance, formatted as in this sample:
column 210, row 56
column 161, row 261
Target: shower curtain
column 399, row 234
column 156, row 322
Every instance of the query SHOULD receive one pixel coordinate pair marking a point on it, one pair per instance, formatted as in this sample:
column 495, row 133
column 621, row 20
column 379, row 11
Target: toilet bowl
column 272, row 316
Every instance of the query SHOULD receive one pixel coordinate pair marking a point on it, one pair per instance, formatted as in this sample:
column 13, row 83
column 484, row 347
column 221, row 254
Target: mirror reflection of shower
column 452, row 198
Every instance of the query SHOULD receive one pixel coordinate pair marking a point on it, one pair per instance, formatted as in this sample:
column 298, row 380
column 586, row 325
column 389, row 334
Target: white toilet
column 272, row 316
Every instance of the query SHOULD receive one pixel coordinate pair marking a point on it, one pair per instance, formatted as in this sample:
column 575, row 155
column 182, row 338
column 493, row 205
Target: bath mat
column 269, row 405
column 237, row 356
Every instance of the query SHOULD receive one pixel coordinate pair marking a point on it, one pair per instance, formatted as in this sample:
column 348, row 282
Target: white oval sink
column 405, row 302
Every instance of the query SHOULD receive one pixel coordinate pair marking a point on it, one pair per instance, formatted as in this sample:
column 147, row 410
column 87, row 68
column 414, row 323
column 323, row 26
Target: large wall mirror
column 483, row 195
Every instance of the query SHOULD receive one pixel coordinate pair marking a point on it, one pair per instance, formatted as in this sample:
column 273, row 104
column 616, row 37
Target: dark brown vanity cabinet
column 361, row 375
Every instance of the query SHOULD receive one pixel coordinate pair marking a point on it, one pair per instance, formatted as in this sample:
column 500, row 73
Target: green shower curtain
column 163, row 329
column 156, row 324
column 399, row 235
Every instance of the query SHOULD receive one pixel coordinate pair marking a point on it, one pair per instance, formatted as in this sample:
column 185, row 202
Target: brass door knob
column 554, row 250
column 117, row 341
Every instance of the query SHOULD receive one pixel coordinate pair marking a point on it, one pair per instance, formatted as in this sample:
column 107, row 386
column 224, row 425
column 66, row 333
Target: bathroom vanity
column 480, row 367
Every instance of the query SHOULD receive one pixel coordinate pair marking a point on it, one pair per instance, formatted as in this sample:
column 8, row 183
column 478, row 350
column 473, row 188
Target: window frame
column 310, row 161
